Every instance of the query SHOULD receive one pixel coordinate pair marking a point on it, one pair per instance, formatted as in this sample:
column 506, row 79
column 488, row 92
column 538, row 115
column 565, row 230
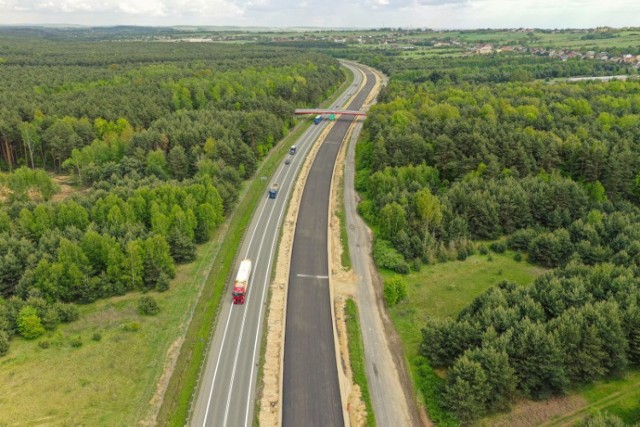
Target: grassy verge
column 441, row 291
column 175, row 410
column 345, row 257
column 356, row 356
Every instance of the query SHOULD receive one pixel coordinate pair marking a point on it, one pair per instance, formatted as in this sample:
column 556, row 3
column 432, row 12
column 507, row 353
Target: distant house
column 483, row 49
column 505, row 49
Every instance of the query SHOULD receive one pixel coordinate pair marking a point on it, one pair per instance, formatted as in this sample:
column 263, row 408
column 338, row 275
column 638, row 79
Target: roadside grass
column 105, row 382
column 441, row 291
column 345, row 256
column 356, row 356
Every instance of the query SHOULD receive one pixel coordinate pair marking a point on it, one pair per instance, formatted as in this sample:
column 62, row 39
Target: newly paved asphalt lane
column 311, row 392
column 226, row 393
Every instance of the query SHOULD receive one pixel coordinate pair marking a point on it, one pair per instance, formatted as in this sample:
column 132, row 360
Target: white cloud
column 329, row 13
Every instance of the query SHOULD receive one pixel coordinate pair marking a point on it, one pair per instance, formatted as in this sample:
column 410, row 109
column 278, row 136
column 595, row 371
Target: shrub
column 4, row 343
column 483, row 250
column 498, row 247
column 147, row 306
column 395, row 290
column 517, row 257
column 162, row 284
column 29, row 323
column 67, row 312
column 76, row 342
column 51, row 319
column 97, row 336
column 44, row 344
column 386, row 256
column 519, row 240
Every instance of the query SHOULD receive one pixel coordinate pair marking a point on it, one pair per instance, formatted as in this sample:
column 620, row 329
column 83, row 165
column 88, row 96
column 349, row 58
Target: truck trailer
column 242, row 282
column 273, row 191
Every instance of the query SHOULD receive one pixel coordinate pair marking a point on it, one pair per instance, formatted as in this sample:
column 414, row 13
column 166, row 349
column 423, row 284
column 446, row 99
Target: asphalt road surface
column 311, row 393
column 226, row 392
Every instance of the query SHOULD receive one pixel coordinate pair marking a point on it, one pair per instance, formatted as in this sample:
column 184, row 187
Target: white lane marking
column 224, row 336
column 262, row 299
column 265, row 230
column 244, row 317
column 310, row 276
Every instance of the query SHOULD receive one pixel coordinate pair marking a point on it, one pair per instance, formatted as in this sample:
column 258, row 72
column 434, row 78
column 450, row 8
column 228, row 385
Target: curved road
column 226, row 393
column 311, row 392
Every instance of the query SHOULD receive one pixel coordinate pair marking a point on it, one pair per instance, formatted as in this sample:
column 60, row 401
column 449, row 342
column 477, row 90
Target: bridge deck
column 301, row 111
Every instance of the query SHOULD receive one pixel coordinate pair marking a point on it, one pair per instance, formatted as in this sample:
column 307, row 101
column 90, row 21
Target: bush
column 67, row 312
column 4, row 343
column 483, row 250
column 498, row 247
column 76, row 342
column 147, row 306
column 162, row 284
column 415, row 264
column 517, row 257
column 97, row 336
column 387, row 257
column 44, row 344
column 51, row 319
column 29, row 323
column 519, row 240
column 395, row 290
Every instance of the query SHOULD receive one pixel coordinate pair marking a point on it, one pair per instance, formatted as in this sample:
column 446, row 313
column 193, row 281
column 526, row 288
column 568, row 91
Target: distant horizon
column 360, row 14
column 304, row 28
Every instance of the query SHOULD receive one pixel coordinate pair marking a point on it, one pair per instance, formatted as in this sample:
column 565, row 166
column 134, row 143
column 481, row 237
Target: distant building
column 483, row 49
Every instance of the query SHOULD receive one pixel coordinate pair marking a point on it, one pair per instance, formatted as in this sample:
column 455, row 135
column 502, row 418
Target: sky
column 436, row 14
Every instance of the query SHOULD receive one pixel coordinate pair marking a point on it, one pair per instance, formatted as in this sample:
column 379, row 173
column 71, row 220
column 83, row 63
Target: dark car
column 287, row 162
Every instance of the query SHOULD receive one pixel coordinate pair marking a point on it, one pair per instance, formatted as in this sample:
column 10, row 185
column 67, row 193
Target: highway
column 226, row 392
column 311, row 393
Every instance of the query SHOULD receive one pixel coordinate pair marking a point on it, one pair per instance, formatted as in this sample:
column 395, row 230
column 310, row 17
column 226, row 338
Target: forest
column 464, row 153
column 157, row 139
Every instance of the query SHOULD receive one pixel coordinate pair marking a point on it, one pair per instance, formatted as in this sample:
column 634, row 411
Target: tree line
column 158, row 139
column 548, row 170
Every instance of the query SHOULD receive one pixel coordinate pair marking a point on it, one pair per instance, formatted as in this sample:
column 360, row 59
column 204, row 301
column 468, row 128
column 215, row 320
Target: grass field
column 620, row 397
column 441, row 291
column 107, row 382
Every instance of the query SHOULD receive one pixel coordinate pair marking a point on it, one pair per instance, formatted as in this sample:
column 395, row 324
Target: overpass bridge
column 302, row 111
